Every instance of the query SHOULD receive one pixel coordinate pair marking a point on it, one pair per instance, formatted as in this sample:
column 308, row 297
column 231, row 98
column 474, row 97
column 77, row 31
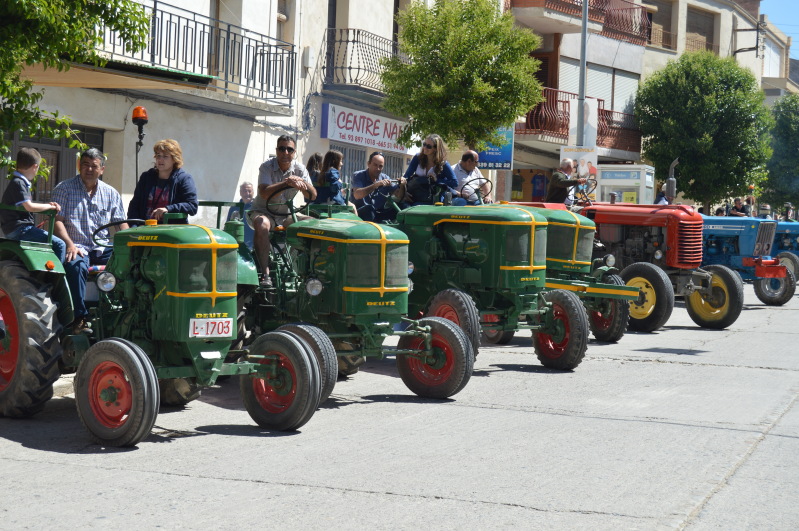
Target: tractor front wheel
column 458, row 307
column 609, row 318
column 324, row 351
column 655, row 297
column 562, row 344
column 446, row 369
column 790, row 261
column 287, row 396
column 117, row 394
column 720, row 306
column 29, row 348
column 776, row 291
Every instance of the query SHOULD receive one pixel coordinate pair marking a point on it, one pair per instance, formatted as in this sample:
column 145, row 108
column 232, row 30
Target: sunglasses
column 285, row 149
column 428, row 146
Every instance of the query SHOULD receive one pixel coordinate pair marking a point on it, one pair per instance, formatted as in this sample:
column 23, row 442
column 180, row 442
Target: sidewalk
column 63, row 386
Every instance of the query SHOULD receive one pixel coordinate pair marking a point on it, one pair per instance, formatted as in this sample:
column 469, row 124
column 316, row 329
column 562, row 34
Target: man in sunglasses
column 280, row 178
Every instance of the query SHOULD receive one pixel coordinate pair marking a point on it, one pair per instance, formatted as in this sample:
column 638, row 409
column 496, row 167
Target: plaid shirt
column 82, row 214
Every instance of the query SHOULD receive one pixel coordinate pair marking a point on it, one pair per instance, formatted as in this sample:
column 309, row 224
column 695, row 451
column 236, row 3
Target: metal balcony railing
column 626, row 21
column 701, row 44
column 596, row 8
column 238, row 61
column 662, row 39
column 352, row 57
column 551, row 119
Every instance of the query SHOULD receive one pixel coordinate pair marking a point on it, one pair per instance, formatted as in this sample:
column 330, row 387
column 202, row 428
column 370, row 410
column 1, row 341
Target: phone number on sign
column 211, row 327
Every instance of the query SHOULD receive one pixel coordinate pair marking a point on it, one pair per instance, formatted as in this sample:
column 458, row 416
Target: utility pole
column 581, row 92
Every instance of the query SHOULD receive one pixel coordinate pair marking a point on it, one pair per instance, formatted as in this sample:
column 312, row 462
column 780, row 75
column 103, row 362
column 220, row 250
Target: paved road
column 681, row 429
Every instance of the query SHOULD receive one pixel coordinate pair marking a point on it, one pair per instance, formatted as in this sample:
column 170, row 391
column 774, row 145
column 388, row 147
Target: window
column 772, row 59
column 616, row 87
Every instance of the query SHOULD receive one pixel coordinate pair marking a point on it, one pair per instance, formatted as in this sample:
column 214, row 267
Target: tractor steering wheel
column 477, row 189
column 369, row 199
column 584, row 190
column 289, row 205
column 106, row 242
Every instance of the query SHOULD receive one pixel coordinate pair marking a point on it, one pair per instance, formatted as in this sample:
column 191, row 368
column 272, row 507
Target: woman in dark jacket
column 428, row 173
column 165, row 188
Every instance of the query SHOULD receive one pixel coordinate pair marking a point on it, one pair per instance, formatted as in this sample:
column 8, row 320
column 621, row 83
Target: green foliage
column 783, row 179
column 51, row 33
column 463, row 71
column 709, row 112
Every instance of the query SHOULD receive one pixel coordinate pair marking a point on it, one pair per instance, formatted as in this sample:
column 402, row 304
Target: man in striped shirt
column 87, row 203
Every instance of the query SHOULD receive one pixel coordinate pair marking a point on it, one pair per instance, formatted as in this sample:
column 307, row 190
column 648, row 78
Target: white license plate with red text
column 218, row 327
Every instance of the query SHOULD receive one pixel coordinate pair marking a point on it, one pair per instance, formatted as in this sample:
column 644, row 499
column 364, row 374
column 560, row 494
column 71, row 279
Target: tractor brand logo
column 461, row 217
column 572, row 267
column 209, row 315
column 529, row 279
column 147, row 238
column 381, row 303
column 314, row 231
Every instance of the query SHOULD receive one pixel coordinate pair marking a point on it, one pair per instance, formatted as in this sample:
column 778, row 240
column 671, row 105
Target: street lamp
column 139, row 119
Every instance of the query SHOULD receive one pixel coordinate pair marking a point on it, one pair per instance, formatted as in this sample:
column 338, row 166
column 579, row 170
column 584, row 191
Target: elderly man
column 247, row 193
column 478, row 188
column 87, row 203
column 561, row 181
column 277, row 173
column 367, row 182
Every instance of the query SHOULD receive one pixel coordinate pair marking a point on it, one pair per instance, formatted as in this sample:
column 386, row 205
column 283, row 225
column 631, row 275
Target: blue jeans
column 31, row 233
column 77, row 273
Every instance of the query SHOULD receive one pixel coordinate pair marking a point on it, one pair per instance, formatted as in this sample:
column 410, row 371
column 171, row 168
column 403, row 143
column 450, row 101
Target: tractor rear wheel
column 722, row 306
column 117, row 394
column 179, row 391
column 563, row 344
column 776, row 291
column 29, row 348
column 324, row 351
column 655, row 299
column 446, row 370
column 609, row 317
column 497, row 337
column 791, row 261
column 458, row 307
column 288, row 397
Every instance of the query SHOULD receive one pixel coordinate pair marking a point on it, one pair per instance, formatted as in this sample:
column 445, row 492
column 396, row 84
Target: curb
column 63, row 386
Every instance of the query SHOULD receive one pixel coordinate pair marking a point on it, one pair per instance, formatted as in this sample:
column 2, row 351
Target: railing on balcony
column 626, row 21
column 551, row 118
column 700, row 44
column 596, row 8
column 662, row 39
column 352, row 57
column 240, row 61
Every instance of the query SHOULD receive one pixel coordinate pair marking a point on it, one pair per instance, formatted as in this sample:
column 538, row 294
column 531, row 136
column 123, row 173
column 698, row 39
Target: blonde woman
column 427, row 170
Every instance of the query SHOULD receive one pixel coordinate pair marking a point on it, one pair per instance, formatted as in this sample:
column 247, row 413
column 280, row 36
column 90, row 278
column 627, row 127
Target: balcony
column 352, row 62
column 549, row 122
column 701, row 44
column 662, row 39
column 626, row 21
column 208, row 53
column 558, row 16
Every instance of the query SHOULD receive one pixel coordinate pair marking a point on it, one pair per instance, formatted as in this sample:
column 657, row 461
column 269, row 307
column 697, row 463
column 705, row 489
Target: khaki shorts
column 284, row 220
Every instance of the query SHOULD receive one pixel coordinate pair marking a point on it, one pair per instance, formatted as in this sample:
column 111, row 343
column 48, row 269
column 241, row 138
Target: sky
column 785, row 15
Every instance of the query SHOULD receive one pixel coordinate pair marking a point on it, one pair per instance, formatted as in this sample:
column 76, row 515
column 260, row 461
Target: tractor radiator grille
column 689, row 252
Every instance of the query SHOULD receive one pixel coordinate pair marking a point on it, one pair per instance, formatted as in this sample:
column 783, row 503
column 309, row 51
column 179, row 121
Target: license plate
column 221, row 327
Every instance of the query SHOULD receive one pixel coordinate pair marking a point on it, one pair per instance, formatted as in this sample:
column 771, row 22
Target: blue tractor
column 746, row 245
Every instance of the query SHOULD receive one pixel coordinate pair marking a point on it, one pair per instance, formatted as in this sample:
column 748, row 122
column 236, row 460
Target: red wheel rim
column 600, row 321
column 491, row 318
column 110, row 394
column 9, row 346
column 548, row 346
column 447, row 312
column 428, row 374
column 277, row 398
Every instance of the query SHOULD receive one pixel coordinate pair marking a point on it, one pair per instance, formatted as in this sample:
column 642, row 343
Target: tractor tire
column 288, row 401
column 458, row 307
column 30, row 350
column 117, row 393
column 725, row 303
column 776, row 291
column 497, row 337
column 656, row 299
column 324, row 351
column 350, row 364
column 563, row 346
column 791, row 261
column 179, row 391
column 609, row 320
column 451, row 365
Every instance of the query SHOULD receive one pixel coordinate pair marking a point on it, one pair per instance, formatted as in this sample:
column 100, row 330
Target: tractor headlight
column 106, row 281
column 797, row 239
column 610, row 260
column 313, row 287
column 410, row 285
column 658, row 254
column 410, row 267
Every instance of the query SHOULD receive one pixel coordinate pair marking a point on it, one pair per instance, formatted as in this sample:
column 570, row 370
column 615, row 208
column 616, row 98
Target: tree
column 463, row 71
column 783, row 168
column 52, row 33
column 709, row 112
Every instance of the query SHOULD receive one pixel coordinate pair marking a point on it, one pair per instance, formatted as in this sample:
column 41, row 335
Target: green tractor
column 349, row 278
column 163, row 318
